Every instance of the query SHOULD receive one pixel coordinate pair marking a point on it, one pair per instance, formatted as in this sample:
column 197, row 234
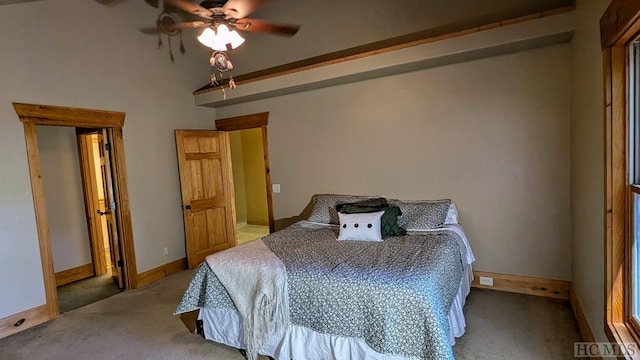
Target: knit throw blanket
column 256, row 280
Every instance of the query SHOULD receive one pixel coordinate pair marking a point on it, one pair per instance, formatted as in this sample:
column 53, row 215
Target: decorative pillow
column 324, row 207
column 364, row 226
column 452, row 215
column 389, row 221
column 422, row 215
column 379, row 202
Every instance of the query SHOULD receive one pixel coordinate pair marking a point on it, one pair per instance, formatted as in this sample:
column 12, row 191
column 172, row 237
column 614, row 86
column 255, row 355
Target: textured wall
column 235, row 139
column 493, row 134
column 99, row 60
column 255, row 182
column 70, row 245
column 587, row 163
column 332, row 25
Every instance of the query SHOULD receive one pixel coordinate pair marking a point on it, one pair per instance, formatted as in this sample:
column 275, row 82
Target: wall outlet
column 486, row 281
column 165, row 251
column 276, row 188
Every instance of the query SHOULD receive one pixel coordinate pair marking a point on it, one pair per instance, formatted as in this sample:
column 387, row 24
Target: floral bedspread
column 395, row 294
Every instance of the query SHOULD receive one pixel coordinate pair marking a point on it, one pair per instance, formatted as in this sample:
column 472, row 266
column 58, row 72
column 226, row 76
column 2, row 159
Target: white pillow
column 452, row 215
column 363, row 226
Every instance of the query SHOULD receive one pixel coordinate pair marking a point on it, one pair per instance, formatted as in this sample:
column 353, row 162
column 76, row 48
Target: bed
column 325, row 288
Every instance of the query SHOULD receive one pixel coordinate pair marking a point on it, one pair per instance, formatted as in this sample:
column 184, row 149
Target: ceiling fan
column 220, row 20
column 218, row 17
column 184, row 14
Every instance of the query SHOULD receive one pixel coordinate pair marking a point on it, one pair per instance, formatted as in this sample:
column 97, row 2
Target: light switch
column 276, row 188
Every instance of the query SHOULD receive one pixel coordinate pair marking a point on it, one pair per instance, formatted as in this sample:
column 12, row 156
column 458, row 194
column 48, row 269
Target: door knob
column 103, row 213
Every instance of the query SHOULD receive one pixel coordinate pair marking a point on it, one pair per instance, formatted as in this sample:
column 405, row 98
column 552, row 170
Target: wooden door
column 93, row 206
column 109, row 213
column 206, row 184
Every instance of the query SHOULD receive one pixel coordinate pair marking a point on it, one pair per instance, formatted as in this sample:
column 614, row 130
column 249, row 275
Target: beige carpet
column 81, row 293
column 138, row 325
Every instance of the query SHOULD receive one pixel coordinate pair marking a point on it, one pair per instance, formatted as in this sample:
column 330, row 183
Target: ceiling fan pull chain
column 170, row 50
column 160, row 44
column 182, row 49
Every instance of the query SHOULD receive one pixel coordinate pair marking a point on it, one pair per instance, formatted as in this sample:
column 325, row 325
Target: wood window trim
column 619, row 26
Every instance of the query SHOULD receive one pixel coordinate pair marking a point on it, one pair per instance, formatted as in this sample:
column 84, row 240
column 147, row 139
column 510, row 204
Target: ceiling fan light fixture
column 222, row 31
column 207, row 37
column 218, row 44
column 235, row 39
column 227, row 36
column 219, row 38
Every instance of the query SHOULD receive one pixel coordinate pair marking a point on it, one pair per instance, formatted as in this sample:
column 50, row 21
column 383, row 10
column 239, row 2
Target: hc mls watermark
column 604, row 349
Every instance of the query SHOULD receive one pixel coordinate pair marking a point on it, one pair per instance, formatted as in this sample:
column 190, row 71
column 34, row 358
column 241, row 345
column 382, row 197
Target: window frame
column 619, row 28
column 631, row 322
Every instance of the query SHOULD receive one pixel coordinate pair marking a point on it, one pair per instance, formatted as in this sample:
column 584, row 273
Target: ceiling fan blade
column 109, row 2
column 238, row 9
column 168, row 28
column 153, row 3
column 150, row 30
column 191, row 8
column 266, row 27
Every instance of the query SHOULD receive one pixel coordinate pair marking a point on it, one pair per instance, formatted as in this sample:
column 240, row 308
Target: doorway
column 251, row 174
column 76, row 176
column 249, row 183
column 110, row 125
column 97, row 188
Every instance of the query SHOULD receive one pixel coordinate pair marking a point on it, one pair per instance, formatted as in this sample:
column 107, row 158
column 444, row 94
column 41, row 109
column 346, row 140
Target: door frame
column 252, row 121
column 32, row 115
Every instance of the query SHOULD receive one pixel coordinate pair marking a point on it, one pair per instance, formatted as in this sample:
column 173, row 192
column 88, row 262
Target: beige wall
column 247, row 156
column 235, row 139
column 99, row 60
column 255, row 182
column 492, row 134
column 70, row 245
column 332, row 25
column 587, row 163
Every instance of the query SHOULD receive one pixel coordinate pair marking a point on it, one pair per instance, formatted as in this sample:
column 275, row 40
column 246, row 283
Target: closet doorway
column 252, row 182
column 86, row 122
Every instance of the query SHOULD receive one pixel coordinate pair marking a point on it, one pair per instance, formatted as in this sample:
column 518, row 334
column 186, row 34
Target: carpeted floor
column 80, row 293
column 507, row 326
column 138, row 325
